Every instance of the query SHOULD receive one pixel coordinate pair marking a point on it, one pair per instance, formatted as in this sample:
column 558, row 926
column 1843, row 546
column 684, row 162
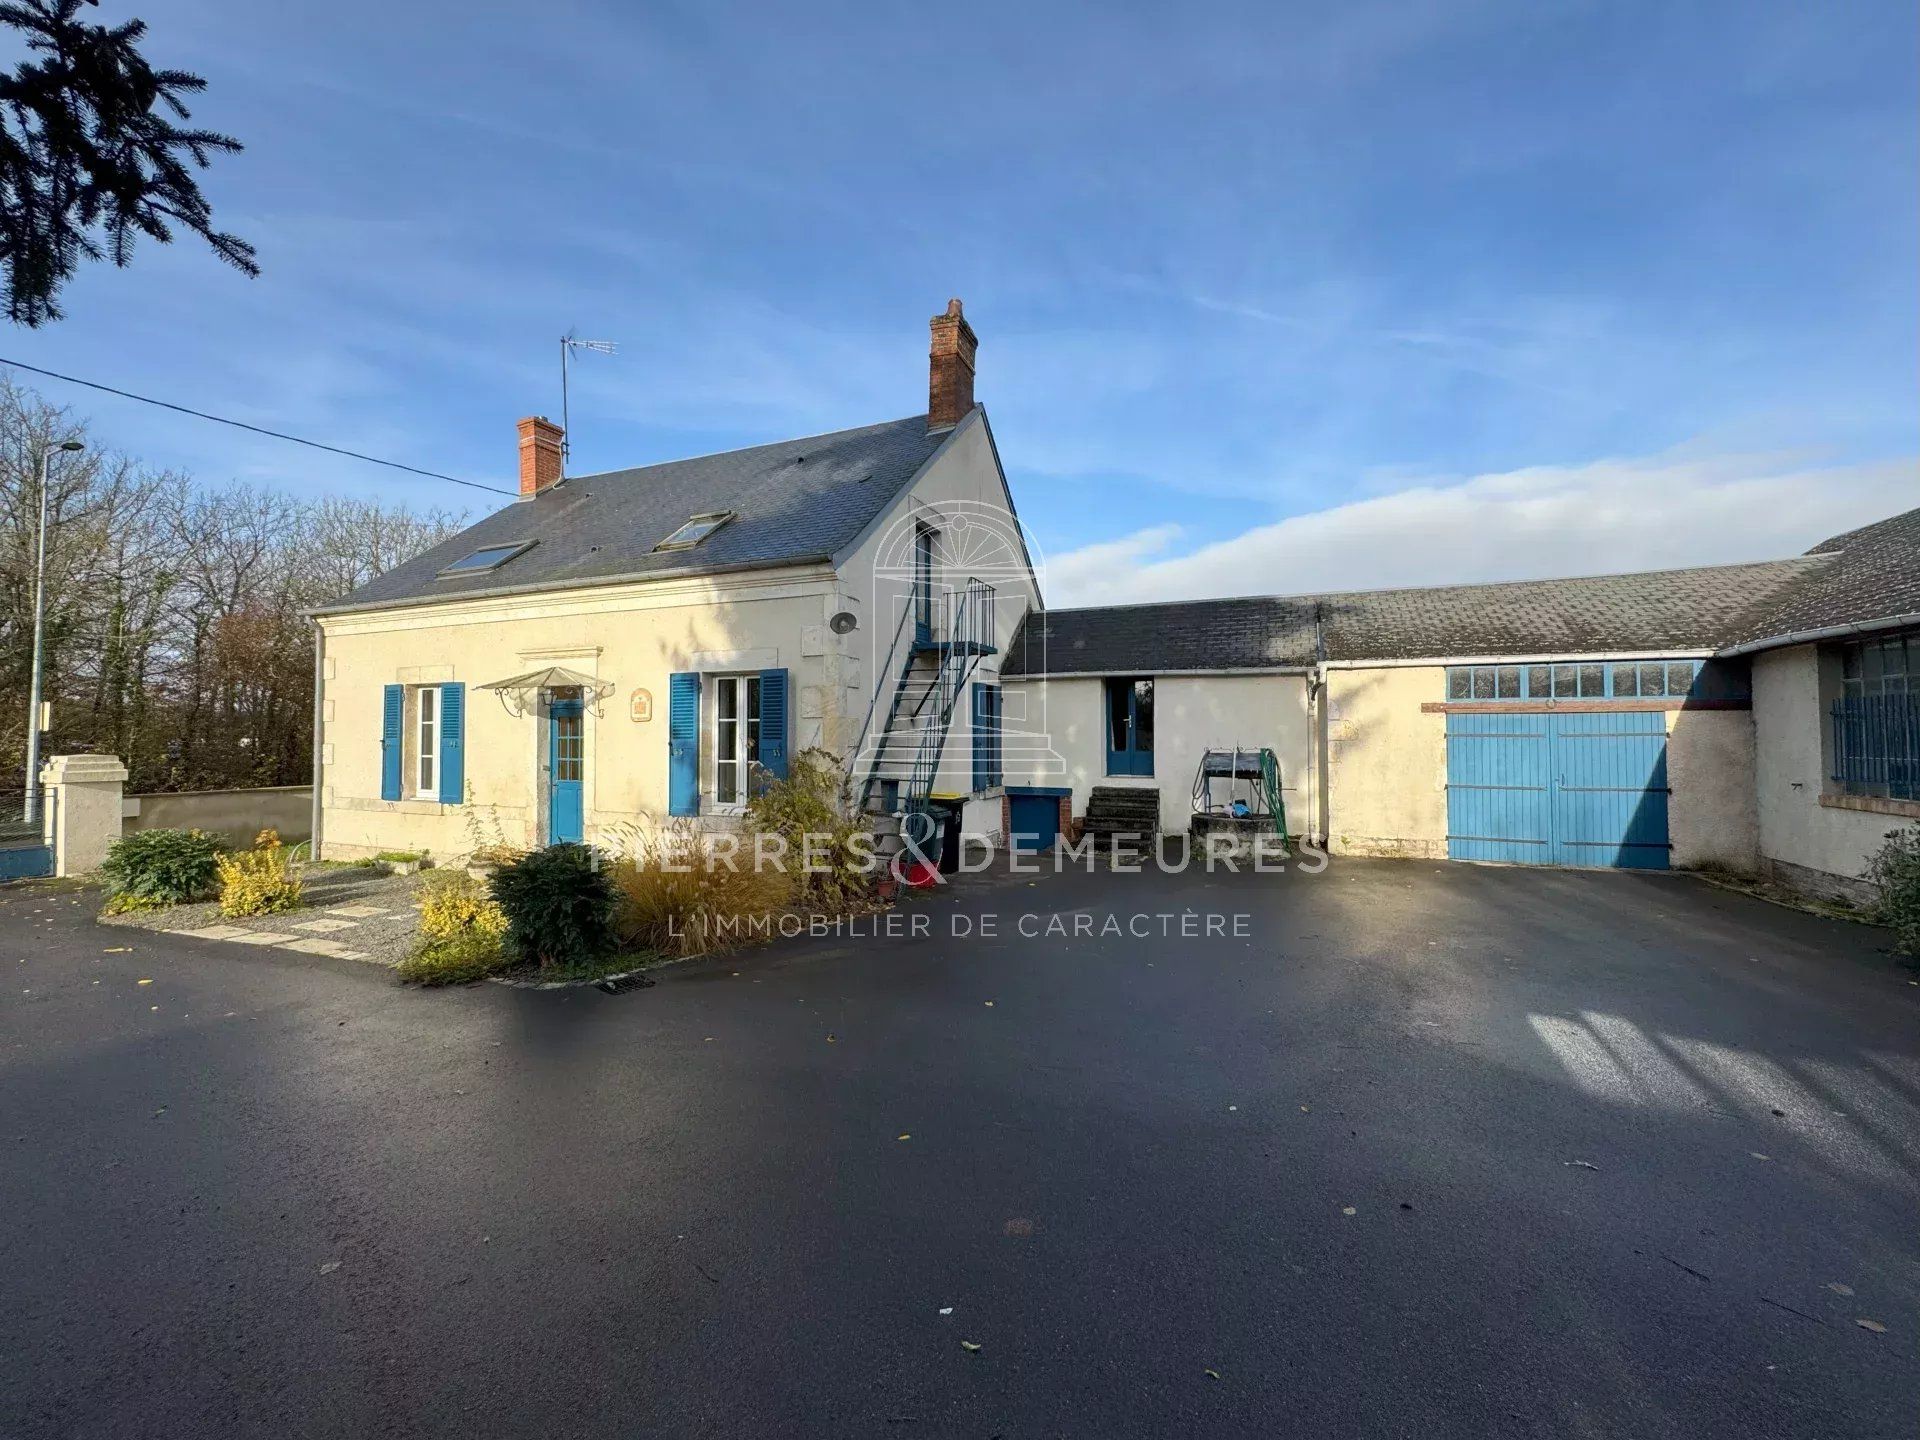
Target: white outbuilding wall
column 1057, row 736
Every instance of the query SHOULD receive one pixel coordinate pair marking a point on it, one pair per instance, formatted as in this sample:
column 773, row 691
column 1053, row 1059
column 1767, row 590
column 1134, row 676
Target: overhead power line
column 256, row 429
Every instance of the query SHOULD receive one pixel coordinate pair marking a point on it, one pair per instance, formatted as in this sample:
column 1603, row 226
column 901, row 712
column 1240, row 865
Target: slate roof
column 1697, row 609
column 796, row 501
column 1250, row 634
column 1873, row 574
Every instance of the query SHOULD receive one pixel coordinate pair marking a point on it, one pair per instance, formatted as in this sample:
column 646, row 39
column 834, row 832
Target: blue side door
column 1500, row 788
column 1129, row 726
column 566, row 757
column 1610, row 801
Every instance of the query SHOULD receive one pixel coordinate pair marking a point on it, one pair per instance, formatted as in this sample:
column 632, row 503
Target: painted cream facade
column 1819, row 847
column 630, row 637
column 633, row 637
column 1712, row 818
column 1192, row 713
column 1386, row 762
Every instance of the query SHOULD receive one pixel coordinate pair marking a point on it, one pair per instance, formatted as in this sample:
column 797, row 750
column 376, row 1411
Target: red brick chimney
column 950, row 369
column 539, row 454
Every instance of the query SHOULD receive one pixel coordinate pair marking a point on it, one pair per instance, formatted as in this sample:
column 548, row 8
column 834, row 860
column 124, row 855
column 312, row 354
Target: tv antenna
column 569, row 344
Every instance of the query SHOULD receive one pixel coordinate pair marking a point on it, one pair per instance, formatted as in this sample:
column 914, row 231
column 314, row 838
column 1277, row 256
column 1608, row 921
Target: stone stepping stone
column 217, row 932
column 260, row 937
column 324, row 925
column 316, row 946
column 358, row 912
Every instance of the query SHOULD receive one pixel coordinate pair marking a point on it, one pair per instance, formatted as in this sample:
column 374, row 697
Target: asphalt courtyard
column 1398, row 1149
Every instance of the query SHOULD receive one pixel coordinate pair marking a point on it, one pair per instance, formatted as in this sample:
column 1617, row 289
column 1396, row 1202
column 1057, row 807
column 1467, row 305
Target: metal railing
column 17, row 826
column 1876, row 745
column 962, row 629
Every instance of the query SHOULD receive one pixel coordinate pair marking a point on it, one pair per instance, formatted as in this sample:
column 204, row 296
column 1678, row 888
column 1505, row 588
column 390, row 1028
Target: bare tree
column 176, row 629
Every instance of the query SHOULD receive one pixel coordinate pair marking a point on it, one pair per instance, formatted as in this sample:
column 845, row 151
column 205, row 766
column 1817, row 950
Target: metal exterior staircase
column 951, row 631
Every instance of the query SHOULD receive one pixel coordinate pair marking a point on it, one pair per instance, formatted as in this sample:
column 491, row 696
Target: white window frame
column 746, row 737
column 426, row 742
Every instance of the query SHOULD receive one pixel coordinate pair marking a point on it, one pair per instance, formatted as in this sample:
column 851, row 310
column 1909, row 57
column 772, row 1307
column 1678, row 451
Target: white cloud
column 1654, row 513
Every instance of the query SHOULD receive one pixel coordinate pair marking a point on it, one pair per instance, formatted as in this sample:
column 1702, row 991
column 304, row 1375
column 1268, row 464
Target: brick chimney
column 950, row 369
column 539, row 454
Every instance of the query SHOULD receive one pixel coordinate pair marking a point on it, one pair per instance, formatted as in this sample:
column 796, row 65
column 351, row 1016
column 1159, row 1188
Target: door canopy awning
column 520, row 693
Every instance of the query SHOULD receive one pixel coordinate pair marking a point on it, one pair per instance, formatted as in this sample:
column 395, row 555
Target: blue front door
column 1582, row 788
column 566, row 755
column 1130, row 726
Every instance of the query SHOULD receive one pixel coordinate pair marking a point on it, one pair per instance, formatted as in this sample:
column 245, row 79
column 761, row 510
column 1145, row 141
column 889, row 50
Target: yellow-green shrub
column 812, row 804
column 259, row 881
column 453, row 905
column 675, row 896
column 461, row 930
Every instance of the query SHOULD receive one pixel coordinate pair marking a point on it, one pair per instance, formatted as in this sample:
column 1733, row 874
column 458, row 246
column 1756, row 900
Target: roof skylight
column 487, row 557
column 695, row 530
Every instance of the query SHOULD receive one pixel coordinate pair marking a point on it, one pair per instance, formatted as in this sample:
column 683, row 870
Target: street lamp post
column 30, row 807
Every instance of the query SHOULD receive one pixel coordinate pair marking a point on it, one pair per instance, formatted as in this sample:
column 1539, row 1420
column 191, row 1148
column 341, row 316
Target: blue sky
column 1270, row 297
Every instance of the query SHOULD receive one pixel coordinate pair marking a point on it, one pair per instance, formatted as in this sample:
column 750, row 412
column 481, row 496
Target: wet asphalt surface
column 1427, row 1151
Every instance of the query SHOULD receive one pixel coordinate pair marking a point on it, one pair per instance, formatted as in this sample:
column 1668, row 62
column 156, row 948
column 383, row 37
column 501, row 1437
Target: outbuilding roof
column 788, row 503
column 1654, row 610
column 1651, row 611
column 1248, row 634
column 1870, row 577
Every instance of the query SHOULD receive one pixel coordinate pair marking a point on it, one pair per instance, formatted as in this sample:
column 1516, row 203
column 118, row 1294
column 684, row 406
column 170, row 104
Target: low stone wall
column 234, row 815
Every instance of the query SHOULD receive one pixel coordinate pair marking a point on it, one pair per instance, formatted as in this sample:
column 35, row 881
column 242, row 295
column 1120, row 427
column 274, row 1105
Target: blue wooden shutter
column 773, row 722
column 997, row 768
column 392, row 713
column 453, row 744
column 683, row 744
column 982, row 755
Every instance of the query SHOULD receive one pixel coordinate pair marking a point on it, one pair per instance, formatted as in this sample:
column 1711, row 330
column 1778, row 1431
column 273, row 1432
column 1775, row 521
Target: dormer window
column 487, row 557
column 695, row 530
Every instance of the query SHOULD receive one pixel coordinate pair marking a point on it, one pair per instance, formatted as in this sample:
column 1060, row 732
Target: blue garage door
column 1575, row 789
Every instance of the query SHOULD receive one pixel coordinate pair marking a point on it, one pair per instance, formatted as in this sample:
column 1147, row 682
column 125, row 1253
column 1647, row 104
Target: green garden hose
column 1270, row 787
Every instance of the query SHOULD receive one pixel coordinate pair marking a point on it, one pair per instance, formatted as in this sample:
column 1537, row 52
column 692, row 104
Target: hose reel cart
column 1236, row 791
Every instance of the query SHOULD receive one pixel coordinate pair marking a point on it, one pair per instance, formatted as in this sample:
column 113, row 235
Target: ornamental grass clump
column 679, row 893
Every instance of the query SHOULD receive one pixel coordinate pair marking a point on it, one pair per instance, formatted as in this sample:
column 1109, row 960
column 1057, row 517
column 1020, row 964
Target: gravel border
column 385, row 939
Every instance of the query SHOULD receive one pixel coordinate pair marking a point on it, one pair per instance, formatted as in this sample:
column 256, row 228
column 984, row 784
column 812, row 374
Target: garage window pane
column 1482, row 683
column 1565, row 681
column 1593, row 682
column 1459, row 683
column 1653, row 681
column 1626, row 682
column 1680, row 678
column 1539, row 682
column 1509, row 682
